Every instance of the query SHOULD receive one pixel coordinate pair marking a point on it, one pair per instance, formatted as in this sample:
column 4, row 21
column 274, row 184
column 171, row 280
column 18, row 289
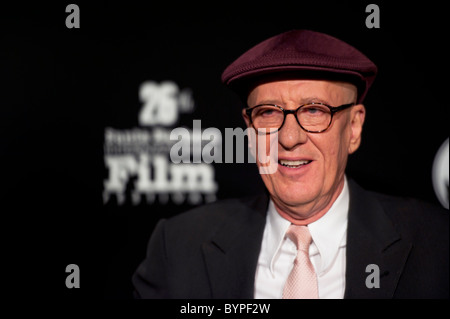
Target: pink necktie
column 302, row 281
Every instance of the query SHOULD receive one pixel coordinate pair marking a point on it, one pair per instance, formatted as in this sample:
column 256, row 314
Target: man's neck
column 295, row 217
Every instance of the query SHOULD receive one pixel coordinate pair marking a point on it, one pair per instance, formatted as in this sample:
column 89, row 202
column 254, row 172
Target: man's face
column 306, row 190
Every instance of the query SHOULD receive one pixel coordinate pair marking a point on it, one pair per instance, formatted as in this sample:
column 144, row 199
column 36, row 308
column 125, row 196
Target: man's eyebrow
column 303, row 100
column 313, row 99
column 269, row 102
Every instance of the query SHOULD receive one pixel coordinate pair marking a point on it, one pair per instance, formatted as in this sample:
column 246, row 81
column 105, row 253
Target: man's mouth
column 293, row 164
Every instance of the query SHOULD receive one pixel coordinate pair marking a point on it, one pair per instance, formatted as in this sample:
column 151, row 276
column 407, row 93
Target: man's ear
column 357, row 116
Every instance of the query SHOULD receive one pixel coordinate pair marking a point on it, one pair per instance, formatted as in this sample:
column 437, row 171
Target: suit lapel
column 372, row 240
column 232, row 254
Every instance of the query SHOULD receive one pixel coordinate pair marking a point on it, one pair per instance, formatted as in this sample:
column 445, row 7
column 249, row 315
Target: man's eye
column 313, row 111
column 267, row 112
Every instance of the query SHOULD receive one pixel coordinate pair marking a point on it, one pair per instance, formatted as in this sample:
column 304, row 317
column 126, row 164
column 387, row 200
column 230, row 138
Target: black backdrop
column 63, row 88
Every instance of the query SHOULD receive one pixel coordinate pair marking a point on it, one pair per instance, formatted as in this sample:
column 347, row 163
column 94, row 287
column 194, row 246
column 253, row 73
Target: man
column 315, row 234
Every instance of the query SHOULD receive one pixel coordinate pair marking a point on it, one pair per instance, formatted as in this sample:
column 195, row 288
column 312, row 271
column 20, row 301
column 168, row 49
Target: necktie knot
column 301, row 236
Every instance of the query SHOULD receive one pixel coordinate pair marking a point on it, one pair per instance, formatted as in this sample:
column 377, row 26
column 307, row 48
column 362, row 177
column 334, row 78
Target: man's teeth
column 293, row 163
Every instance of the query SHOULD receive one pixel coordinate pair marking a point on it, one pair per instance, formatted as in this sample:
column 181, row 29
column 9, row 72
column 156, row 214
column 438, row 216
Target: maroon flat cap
column 304, row 54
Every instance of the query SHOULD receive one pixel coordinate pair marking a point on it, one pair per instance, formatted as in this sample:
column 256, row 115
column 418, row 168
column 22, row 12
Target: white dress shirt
column 327, row 252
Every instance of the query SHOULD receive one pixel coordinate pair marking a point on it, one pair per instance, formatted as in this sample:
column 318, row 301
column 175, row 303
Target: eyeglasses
column 312, row 117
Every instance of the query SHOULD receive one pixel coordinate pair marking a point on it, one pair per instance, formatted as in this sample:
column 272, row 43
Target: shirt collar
column 276, row 227
column 328, row 232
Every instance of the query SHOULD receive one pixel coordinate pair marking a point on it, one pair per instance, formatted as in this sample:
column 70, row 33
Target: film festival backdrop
column 108, row 93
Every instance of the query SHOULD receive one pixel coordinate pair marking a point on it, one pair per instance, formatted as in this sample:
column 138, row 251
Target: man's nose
column 291, row 134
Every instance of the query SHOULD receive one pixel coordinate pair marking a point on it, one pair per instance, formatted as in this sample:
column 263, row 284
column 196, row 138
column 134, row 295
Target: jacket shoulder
column 212, row 216
column 412, row 238
column 416, row 215
column 426, row 226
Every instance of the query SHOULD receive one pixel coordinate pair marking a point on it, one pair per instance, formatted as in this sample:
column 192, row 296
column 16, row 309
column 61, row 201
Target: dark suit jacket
column 212, row 251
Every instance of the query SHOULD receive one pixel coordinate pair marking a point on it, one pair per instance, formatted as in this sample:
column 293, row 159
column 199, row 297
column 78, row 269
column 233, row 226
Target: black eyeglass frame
column 333, row 110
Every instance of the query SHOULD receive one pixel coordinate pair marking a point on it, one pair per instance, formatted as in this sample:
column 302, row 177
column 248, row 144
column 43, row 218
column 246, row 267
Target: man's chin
column 293, row 202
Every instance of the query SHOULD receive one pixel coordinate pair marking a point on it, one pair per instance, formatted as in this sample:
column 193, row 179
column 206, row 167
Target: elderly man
column 315, row 234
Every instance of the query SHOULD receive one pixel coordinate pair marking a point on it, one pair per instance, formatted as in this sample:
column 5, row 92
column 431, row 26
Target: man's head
column 296, row 91
column 311, row 166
